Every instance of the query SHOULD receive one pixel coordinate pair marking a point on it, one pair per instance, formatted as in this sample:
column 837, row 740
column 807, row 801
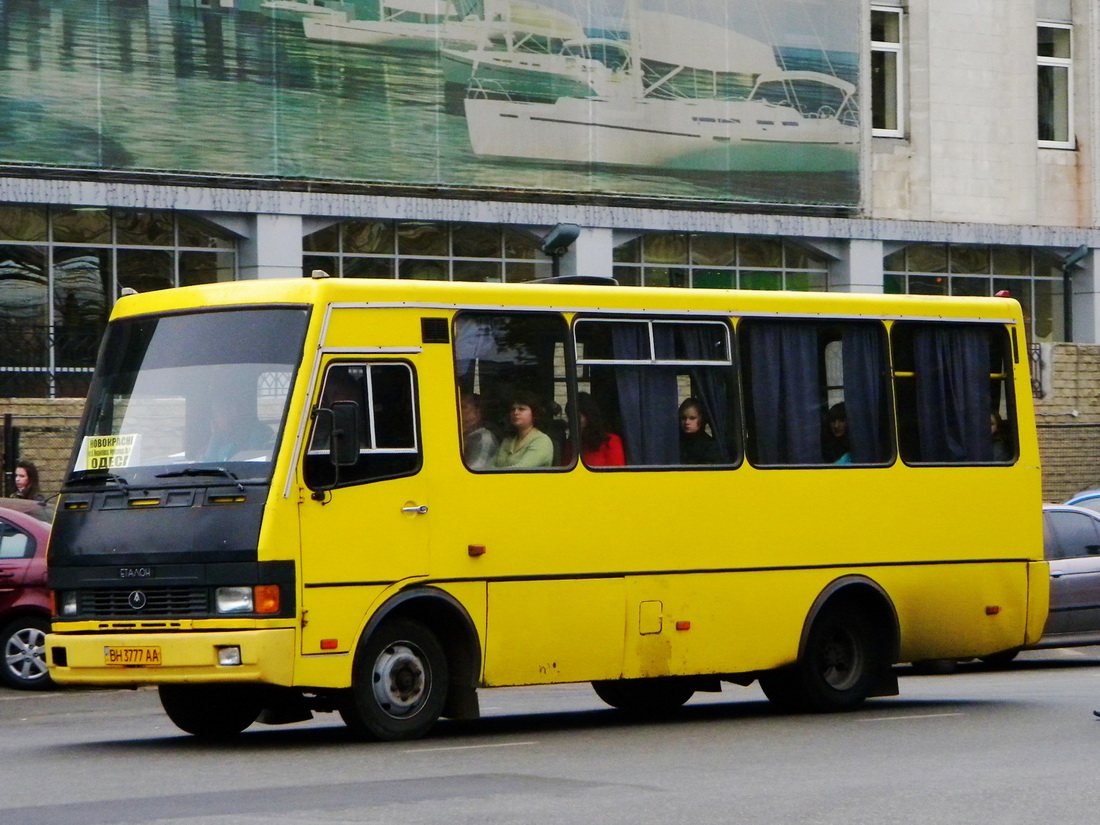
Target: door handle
column 1056, row 574
column 420, row 509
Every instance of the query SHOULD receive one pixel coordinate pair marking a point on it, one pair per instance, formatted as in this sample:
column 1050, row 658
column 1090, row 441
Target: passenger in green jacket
column 529, row 447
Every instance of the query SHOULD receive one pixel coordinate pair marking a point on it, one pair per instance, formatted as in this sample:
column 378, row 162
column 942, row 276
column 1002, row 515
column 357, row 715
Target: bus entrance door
column 363, row 526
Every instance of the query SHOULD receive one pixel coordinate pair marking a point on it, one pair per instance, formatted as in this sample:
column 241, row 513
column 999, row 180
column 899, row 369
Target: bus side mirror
column 344, row 447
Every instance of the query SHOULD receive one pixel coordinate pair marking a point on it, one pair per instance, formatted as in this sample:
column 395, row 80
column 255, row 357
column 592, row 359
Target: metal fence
column 46, row 440
column 1070, row 454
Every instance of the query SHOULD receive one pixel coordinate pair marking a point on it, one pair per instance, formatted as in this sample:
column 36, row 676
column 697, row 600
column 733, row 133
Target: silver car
column 1071, row 543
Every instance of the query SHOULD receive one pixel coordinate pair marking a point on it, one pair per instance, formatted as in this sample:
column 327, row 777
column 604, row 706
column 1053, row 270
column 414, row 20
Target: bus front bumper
column 228, row 656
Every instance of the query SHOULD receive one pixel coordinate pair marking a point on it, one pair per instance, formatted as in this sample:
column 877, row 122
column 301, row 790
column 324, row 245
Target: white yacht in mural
column 295, row 10
column 681, row 110
column 520, row 66
column 430, row 25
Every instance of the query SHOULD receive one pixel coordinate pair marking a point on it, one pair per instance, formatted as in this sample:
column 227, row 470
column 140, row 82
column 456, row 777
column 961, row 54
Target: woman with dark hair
column 26, row 481
column 599, row 448
column 998, row 431
column 529, row 447
column 696, row 444
column 835, row 442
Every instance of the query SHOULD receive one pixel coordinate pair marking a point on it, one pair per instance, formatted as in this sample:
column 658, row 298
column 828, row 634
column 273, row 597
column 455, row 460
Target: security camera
column 559, row 239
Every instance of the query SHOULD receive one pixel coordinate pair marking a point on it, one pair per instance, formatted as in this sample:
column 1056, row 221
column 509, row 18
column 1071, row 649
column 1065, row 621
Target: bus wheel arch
column 849, row 640
column 441, row 638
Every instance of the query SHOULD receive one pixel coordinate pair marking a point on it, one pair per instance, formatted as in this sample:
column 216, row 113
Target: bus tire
column 211, row 711
column 837, row 669
column 399, row 683
column 644, row 696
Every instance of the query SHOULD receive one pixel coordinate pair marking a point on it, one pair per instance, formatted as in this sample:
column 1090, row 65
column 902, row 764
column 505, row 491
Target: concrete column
column 272, row 248
column 858, row 268
column 1085, row 280
column 590, row 254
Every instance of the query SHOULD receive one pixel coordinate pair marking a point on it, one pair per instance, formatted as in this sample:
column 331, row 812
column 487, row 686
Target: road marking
column 470, row 747
column 907, row 718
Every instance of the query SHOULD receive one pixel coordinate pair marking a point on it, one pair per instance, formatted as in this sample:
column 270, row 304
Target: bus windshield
column 189, row 398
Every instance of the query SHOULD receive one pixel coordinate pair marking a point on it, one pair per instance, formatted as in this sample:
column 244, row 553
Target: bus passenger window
column 816, row 393
column 510, row 372
column 664, row 391
column 387, row 436
column 953, row 383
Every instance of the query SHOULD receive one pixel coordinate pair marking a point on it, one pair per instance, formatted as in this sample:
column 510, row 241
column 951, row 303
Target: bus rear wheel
column 211, row 711
column 644, row 696
column 399, row 683
column 837, row 669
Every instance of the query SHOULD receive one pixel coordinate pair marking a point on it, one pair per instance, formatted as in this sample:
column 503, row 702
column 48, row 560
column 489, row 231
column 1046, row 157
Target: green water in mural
column 164, row 86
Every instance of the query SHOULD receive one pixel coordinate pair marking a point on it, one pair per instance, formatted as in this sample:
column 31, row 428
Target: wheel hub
column 401, row 680
column 25, row 655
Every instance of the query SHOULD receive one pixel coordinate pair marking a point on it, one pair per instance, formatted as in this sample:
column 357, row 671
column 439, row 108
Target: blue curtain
column 865, row 397
column 952, row 365
column 785, row 376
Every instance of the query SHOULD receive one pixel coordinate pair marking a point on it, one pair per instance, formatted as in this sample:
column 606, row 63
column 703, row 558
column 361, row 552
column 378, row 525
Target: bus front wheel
column 837, row 669
column 641, row 696
column 211, row 711
column 399, row 683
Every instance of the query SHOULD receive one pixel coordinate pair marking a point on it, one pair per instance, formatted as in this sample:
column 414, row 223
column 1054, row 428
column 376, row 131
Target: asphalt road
column 1018, row 745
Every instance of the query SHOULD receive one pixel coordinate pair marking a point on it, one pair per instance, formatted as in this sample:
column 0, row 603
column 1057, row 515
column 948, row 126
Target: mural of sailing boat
column 680, row 112
column 295, row 10
column 429, row 25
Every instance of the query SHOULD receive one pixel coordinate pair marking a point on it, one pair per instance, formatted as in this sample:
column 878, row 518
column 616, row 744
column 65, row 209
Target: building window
column 1055, row 86
column 61, row 270
column 886, row 73
column 718, row 261
column 1031, row 276
column 425, row 251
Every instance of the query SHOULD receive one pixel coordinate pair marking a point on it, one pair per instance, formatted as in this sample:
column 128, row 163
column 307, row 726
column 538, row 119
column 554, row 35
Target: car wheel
column 837, row 669
column 399, row 683
column 24, row 642
column 211, row 711
column 644, row 696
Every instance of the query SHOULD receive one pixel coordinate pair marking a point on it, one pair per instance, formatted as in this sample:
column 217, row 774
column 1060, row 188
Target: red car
column 24, row 600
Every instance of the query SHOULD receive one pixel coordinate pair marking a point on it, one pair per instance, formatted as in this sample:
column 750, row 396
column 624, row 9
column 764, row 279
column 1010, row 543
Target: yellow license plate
column 132, row 656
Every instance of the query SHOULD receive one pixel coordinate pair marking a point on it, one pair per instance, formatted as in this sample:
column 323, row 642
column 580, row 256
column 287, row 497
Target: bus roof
column 561, row 297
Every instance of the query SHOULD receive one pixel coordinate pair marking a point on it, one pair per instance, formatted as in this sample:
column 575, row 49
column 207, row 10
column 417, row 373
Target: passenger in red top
column 599, row 448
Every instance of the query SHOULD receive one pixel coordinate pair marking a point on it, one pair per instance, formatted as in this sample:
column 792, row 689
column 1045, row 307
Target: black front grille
column 157, row 603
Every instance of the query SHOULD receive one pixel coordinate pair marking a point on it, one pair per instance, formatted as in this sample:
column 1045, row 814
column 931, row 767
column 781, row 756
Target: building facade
column 842, row 145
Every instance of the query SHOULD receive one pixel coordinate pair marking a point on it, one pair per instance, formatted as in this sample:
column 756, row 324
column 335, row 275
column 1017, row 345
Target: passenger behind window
column 479, row 445
column 529, row 447
column 998, row 430
column 835, row 445
column 599, row 448
column 696, row 444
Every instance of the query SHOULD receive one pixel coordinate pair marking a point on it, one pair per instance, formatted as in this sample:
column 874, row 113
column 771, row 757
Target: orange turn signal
column 266, row 598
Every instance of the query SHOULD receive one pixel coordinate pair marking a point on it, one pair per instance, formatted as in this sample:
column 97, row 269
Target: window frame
column 1056, row 62
column 368, row 423
column 733, row 437
column 899, row 89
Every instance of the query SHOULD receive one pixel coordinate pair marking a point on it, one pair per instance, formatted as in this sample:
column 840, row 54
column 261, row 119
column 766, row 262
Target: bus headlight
column 67, row 603
column 263, row 598
column 233, row 600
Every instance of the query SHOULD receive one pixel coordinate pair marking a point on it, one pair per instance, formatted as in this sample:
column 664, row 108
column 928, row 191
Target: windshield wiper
column 203, row 471
column 77, row 476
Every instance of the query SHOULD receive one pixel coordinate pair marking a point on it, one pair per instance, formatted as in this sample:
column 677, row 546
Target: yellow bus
column 378, row 497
